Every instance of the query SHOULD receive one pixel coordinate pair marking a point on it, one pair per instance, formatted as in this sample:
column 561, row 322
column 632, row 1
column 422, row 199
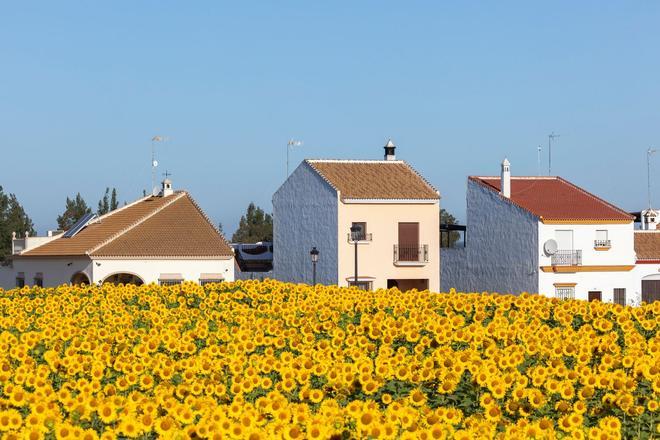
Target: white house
column 165, row 239
column 380, row 215
column 545, row 235
column 647, row 250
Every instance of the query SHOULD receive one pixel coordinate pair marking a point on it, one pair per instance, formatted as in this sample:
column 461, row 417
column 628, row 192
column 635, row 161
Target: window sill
column 360, row 242
column 410, row 263
column 602, row 248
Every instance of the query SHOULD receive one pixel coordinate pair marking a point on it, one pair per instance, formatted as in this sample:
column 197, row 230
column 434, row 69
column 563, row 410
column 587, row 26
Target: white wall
column 501, row 245
column 643, row 271
column 56, row 271
column 305, row 215
column 150, row 270
column 7, row 277
column 621, row 253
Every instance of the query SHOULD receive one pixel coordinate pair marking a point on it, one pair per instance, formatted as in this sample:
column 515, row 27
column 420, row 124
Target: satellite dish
column 550, row 247
column 154, row 163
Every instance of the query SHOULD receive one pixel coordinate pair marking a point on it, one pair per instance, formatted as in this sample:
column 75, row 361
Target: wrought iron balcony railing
column 360, row 237
column 567, row 258
column 602, row 243
column 411, row 254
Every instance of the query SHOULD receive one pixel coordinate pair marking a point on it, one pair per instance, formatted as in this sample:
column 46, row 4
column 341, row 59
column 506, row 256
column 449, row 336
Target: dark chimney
column 389, row 150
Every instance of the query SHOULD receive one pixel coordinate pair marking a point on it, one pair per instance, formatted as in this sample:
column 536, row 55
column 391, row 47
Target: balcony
column 567, row 258
column 602, row 245
column 405, row 255
column 362, row 238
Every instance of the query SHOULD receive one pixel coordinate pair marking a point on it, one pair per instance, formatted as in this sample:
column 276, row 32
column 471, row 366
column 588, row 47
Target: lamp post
column 355, row 236
column 314, row 253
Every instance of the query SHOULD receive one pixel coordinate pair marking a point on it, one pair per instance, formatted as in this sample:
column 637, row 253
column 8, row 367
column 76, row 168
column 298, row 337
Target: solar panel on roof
column 80, row 224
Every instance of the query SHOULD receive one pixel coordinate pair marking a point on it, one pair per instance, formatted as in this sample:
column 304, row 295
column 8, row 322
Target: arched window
column 79, row 278
column 124, row 278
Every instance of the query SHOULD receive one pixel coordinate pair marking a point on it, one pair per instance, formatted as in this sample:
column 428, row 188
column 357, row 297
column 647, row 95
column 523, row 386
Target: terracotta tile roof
column 647, row 245
column 152, row 227
column 555, row 199
column 375, row 179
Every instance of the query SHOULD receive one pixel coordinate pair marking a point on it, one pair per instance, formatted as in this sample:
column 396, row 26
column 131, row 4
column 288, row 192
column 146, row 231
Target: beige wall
column 376, row 259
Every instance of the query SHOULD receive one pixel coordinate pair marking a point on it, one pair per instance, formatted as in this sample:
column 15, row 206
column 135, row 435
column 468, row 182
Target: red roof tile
column 555, row 199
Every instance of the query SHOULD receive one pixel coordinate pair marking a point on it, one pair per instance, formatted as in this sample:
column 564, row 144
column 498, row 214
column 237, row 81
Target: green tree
column 75, row 209
column 254, row 226
column 448, row 240
column 108, row 202
column 12, row 219
column 114, row 204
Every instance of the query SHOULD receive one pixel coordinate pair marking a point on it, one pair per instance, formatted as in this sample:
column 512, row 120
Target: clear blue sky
column 457, row 85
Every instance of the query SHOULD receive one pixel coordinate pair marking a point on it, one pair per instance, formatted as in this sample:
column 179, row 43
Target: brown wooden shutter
column 595, row 296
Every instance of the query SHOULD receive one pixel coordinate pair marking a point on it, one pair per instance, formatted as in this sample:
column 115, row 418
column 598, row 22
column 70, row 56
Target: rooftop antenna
column 538, row 172
column 551, row 137
column 289, row 146
column 154, row 162
column 649, row 153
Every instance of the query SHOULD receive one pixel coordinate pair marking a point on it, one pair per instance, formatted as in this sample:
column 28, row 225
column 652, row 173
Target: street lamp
column 314, row 253
column 356, row 231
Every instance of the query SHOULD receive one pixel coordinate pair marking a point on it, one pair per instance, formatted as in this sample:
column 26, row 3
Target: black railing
column 360, row 237
column 567, row 258
column 602, row 243
column 413, row 254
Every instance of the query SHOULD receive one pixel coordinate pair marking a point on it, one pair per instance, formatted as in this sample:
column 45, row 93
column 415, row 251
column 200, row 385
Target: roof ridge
column 142, row 219
column 480, row 181
column 208, row 220
column 380, row 161
column 115, row 211
column 310, row 162
column 421, row 177
column 595, row 197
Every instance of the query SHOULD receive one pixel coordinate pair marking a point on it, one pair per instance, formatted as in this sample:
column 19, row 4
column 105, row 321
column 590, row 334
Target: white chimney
column 650, row 220
column 389, row 150
column 167, row 188
column 505, row 182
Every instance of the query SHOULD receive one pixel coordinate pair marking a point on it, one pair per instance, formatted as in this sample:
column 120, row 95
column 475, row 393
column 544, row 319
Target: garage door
column 650, row 290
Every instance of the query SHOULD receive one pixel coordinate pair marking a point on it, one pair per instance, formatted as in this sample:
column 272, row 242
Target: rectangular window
column 595, row 296
column 38, row 280
column 169, row 282
column 20, row 281
column 564, row 239
column 362, row 231
column 170, row 279
column 565, row 292
column 362, row 285
column 602, row 240
column 205, row 281
column 620, row 296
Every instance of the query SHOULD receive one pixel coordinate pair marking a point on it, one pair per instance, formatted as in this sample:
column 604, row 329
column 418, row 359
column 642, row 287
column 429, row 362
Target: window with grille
column 363, row 285
column 206, row 281
column 565, row 292
column 620, row 296
column 169, row 282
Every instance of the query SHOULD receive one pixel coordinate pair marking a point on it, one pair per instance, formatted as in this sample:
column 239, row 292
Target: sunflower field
column 273, row 360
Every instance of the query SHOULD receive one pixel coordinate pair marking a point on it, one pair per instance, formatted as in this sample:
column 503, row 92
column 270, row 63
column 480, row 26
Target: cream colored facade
column 376, row 257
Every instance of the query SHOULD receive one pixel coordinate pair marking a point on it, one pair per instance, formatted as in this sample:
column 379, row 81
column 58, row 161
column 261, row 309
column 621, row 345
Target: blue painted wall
column 502, row 244
column 305, row 215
